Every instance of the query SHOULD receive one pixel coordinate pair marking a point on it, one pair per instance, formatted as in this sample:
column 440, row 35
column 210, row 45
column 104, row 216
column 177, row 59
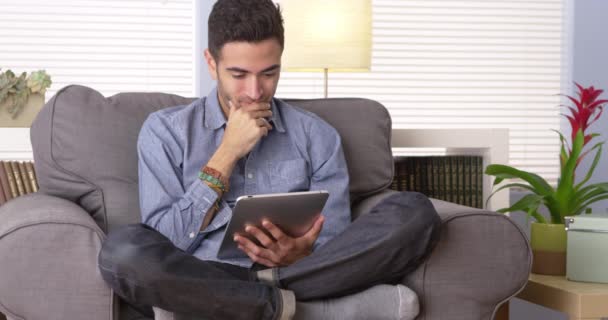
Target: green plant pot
column 548, row 248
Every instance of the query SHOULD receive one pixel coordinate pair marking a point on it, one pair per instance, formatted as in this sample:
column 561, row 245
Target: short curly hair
column 244, row 20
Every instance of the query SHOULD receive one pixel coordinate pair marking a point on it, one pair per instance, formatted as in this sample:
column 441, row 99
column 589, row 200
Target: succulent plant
column 16, row 90
column 38, row 81
column 6, row 79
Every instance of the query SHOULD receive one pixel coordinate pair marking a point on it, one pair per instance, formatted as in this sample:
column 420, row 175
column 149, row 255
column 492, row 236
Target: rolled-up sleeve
column 329, row 172
column 166, row 204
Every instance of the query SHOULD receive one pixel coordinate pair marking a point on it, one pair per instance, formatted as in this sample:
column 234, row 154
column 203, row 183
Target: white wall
column 204, row 83
column 590, row 67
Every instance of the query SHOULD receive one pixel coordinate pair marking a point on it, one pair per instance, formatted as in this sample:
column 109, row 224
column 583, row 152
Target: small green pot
column 548, row 248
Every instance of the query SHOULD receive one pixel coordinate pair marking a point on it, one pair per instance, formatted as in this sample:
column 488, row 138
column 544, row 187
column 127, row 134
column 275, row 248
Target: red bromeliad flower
column 586, row 106
column 569, row 197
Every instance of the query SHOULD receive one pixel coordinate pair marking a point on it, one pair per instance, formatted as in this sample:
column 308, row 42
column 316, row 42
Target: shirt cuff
column 202, row 198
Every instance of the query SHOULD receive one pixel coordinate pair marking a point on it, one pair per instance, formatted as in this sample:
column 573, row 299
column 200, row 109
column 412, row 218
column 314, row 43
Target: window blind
column 112, row 45
column 463, row 64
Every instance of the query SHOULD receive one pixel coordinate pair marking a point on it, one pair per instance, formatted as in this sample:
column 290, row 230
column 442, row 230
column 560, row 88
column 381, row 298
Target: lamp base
column 325, row 78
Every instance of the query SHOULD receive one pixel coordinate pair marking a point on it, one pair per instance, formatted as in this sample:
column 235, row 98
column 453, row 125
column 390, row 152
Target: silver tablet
column 293, row 212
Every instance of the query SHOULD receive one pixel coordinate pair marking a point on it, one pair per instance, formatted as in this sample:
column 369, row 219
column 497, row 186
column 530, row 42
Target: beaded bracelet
column 215, row 182
column 216, row 174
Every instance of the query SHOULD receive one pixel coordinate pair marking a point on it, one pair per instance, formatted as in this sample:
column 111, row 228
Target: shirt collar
column 214, row 116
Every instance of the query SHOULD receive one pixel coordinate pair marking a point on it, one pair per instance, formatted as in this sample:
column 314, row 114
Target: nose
column 254, row 89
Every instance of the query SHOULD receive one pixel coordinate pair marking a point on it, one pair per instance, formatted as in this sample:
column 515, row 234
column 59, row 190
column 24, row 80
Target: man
column 194, row 161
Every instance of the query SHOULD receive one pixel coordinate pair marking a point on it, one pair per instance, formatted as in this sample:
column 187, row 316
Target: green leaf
column 528, row 204
column 510, row 185
column 587, row 193
column 534, row 213
column 596, row 160
column 524, row 204
column 501, row 172
column 593, row 200
column 565, row 187
column 563, row 155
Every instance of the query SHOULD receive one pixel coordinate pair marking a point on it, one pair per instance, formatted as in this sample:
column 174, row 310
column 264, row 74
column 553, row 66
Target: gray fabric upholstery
column 85, row 146
column 481, row 260
column 365, row 128
column 84, row 150
column 48, row 267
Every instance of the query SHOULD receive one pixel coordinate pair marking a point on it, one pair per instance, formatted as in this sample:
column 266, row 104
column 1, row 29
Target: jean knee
column 121, row 249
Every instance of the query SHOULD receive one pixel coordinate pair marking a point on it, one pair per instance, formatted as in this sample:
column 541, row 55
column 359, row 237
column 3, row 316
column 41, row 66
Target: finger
column 312, row 234
column 261, row 114
column 256, row 250
column 231, row 106
column 257, row 259
column 259, row 106
column 263, row 131
column 275, row 231
column 261, row 122
column 246, row 243
column 252, row 247
column 262, row 237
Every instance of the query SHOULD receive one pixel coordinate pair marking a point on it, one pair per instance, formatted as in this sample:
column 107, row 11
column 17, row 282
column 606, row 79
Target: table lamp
column 327, row 35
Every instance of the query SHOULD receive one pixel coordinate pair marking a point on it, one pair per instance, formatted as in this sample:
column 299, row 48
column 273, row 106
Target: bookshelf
column 491, row 144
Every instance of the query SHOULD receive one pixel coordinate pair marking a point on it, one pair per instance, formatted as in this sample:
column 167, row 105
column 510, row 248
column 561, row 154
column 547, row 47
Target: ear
column 211, row 64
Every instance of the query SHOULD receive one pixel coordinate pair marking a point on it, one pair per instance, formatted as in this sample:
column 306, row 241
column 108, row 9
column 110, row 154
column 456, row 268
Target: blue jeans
column 144, row 267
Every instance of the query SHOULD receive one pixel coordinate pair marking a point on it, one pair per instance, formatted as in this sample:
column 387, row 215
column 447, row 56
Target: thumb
column 315, row 230
column 231, row 107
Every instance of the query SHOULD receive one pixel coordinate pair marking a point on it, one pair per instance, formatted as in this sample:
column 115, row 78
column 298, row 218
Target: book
column 442, row 180
column 411, row 173
column 11, row 179
column 2, row 198
column 4, row 182
column 24, row 178
column 474, row 182
column 467, row 181
column 480, row 200
column 461, row 185
column 31, row 174
column 17, row 175
column 449, row 185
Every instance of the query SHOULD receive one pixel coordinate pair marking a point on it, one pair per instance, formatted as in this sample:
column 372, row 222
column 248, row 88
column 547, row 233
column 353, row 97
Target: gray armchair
column 86, row 162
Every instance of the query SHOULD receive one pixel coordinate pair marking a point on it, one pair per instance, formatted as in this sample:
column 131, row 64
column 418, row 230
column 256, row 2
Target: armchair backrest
column 85, row 146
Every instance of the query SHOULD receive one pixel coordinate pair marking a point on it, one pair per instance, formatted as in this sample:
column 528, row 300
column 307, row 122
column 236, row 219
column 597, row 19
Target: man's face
column 246, row 72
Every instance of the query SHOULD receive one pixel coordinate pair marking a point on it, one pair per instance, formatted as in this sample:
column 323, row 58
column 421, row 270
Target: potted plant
column 569, row 197
column 21, row 97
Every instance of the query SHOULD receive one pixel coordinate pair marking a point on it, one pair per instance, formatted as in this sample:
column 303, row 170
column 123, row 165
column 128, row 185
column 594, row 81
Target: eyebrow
column 237, row 69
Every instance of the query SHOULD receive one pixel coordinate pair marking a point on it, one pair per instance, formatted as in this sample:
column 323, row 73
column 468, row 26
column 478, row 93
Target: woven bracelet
column 213, row 180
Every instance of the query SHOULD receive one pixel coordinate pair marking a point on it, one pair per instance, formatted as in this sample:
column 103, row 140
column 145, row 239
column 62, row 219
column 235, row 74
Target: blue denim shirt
column 301, row 152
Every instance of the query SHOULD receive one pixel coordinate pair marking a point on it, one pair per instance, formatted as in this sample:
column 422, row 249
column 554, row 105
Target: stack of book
column 16, row 179
column 456, row 179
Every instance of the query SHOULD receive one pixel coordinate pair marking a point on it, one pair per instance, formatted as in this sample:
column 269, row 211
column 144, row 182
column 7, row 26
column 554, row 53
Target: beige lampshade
column 332, row 34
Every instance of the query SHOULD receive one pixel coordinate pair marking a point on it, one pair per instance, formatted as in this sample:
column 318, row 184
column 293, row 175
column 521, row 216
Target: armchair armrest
column 482, row 259
column 48, row 268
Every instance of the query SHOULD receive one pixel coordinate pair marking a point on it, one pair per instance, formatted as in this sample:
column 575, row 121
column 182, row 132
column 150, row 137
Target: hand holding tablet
column 293, row 213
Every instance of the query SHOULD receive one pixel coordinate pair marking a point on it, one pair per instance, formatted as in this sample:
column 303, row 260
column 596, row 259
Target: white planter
column 25, row 117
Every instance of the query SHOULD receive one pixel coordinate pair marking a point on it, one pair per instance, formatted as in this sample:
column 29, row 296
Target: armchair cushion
column 85, row 147
column 365, row 128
